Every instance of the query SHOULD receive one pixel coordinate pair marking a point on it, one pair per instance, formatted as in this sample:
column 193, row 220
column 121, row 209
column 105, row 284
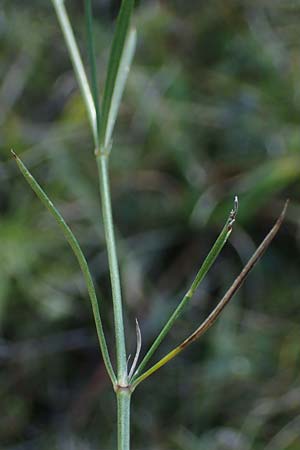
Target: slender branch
column 221, row 305
column 78, row 67
column 208, row 262
column 80, row 257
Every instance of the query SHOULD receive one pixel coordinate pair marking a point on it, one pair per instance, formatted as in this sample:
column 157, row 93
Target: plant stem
column 102, row 163
column 120, row 45
column 104, row 187
column 123, row 402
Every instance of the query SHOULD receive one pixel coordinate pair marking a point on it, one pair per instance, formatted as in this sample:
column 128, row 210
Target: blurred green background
column 211, row 109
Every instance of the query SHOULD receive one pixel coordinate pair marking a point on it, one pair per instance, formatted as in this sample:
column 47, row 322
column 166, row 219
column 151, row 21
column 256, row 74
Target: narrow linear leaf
column 221, row 305
column 92, row 58
column 207, row 264
column 76, row 60
column 124, row 68
column 120, row 58
column 80, row 257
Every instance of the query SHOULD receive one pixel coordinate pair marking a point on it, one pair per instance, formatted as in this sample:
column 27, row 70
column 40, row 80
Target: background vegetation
column 212, row 109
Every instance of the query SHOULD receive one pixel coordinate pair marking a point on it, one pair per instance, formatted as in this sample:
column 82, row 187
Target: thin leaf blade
column 71, row 239
column 205, row 267
column 120, row 57
column 77, row 63
column 92, row 59
column 210, row 320
column 122, row 75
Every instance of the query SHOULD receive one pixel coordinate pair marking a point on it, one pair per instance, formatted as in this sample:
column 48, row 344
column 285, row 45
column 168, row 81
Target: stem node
column 125, row 388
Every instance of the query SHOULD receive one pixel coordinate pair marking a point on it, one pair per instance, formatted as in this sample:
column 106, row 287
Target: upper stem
column 102, row 163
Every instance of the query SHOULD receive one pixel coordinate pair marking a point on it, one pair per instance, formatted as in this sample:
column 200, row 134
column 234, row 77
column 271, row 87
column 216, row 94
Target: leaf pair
column 207, row 264
column 121, row 55
column 220, row 306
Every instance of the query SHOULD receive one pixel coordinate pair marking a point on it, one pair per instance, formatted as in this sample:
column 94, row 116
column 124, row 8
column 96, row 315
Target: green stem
column 123, row 404
column 102, row 163
column 104, row 187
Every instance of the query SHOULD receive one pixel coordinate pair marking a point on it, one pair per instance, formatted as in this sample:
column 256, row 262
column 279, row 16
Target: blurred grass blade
column 121, row 55
column 78, row 67
column 80, row 257
column 223, row 302
column 208, row 262
column 92, row 58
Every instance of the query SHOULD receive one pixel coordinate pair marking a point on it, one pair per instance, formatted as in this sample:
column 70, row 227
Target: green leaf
column 80, row 257
column 208, row 262
column 92, row 58
column 213, row 316
column 120, row 59
column 76, row 60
